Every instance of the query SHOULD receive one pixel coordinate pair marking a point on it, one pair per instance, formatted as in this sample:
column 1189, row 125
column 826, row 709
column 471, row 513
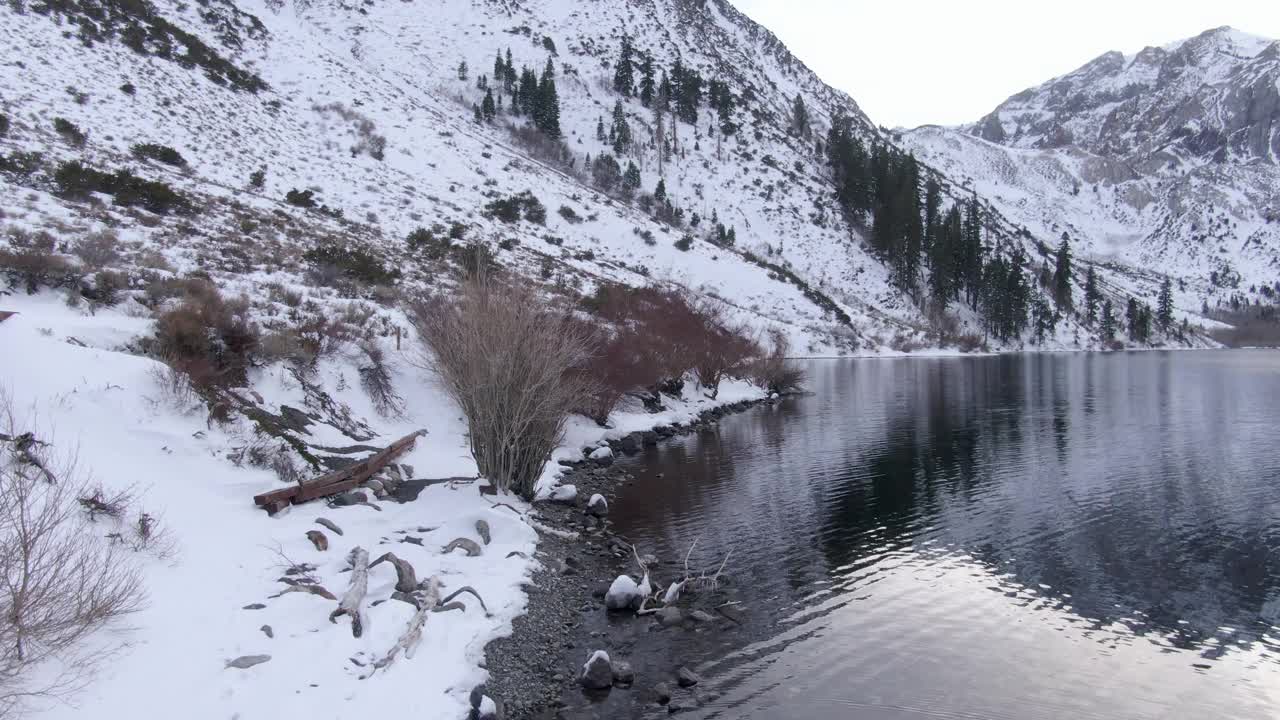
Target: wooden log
column 406, row 578
column 360, row 471
column 352, row 599
column 408, row 641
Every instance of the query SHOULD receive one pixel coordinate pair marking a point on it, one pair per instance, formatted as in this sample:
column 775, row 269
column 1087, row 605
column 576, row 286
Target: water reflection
column 1015, row 536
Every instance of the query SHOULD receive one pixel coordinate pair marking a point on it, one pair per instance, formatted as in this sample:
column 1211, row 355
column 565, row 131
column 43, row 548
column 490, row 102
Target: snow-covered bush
column 506, row 356
column 60, row 580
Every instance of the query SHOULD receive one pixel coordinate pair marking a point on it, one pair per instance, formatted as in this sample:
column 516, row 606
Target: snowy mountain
column 1165, row 161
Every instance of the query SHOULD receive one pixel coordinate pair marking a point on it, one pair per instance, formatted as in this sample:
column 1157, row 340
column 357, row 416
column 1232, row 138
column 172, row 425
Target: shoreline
column 526, row 674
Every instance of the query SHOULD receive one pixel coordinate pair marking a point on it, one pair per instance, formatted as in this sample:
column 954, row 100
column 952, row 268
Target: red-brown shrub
column 208, row 338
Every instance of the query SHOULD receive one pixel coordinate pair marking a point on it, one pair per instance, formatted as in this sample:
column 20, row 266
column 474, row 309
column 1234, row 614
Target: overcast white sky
column 912, row 62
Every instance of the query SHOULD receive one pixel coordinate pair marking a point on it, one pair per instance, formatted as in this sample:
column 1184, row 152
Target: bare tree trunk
column 351, row 601
column 408, row 641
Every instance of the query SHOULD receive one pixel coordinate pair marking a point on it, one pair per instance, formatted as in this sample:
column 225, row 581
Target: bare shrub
column 720, row 348
column 375, row 378
column 507, row 356
column 98, row 250
column 34, row 268
column 773, row 371
column 208, row 338
column 59, row 581
column 621, row 362
column 101, row 502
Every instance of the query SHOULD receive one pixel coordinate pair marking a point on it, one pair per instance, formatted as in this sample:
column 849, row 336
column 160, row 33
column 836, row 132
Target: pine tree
column 487, row 107
column 1062, row 275
column 1091, row 296
column 546, row 111
column 1108, row 320
column 499, row 68
column 660, row 192
column 462, row 71
column 799, row 117
column 528, row 91
column 1164, row 305
column 664, row 92
column 509, row 74
column 624, row 73
column 631, row 178
column 600, row 129
column 1132, row 319
column 646, row 78
column 479, row 116
column 621, row 131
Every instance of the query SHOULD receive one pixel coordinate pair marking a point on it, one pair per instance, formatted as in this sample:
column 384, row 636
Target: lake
column 1019, row 536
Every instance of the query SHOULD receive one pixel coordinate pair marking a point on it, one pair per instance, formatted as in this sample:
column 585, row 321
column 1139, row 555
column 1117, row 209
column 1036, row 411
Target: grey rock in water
column 623, row 674
column 662, row 693
column 598, row 506
column 686, row 677
column 247, row 661
column 670, row 616
column 597, row 673
column 701, row 616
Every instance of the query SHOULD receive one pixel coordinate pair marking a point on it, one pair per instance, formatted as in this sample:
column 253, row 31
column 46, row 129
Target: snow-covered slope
column 1164, row 161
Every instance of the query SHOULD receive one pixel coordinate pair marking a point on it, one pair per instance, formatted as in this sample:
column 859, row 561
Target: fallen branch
column 472, row 548
column 408, row 641
column 470, row 590
column 406, row 578
column 350, row 604
column 306, row 588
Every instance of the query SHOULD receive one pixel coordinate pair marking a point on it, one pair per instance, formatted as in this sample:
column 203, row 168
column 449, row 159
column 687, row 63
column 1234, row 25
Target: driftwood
column 482, row 529
column 466, row 589
column 318, row 539
column 350, row 603
column 338, row 480
column 329, row 524
column 307, row 588
column 406, row 579
column 408, row 641
column 473, row 549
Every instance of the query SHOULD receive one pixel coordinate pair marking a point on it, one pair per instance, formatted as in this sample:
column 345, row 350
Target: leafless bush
column 34, row 268
column 507, row 357
column 208, row 338
column 375, row 378
column 101, row 502
column 721, row 348
column 773, row 371
column 98, row 250
column 60, row 582
column 621, row 361
column 368, row 141
column 174, row 388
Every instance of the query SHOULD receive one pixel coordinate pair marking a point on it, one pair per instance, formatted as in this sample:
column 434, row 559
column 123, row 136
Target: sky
column 915, row 62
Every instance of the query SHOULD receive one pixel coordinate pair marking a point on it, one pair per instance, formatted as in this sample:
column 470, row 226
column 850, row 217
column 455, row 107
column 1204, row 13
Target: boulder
column 686, row 677
column 701, row 616
column 602, row 455
column 623, row 674
column 598, row 506
column 670, row 616
column 597, row 673
column 247, row 661
column 662, row 691
column 623, row 594
column 566, row 494
column 630, row 444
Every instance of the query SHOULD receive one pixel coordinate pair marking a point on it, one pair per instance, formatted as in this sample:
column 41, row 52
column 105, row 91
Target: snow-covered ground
column 106, row 407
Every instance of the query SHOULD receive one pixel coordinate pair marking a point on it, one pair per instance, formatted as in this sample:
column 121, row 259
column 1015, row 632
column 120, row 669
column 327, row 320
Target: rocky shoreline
column 528, row 673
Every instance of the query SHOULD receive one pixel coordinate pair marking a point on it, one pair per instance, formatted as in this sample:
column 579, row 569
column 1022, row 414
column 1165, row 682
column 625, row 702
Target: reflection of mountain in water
column 1138, row 488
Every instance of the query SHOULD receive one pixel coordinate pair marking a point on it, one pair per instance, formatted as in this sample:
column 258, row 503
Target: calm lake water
column 1024, row 536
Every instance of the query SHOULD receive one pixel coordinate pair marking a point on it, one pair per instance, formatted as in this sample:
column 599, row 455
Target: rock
column 701, row 616
column 733, row 612
column 623, row 674
column 254, row 606
column 598, row 506
column 482, row 529
column 329, row 524
column 597, row 673
column 318, row 539
column 623, row 594
column 247, row 661
column 630, row 444
column 674, row 707
column 663, row 693
column 351, row 497
column 406, row 471
column 603, row 455
column 648, row 559
column 266, row 630
column 649, row 438
column 670, row 616
column 376, row 487
column 488, row 709
column 565, row 494
column 686, row 677
column 600, row 591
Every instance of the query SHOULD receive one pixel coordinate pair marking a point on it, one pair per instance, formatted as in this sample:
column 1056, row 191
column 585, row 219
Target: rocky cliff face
column 1212, row 98
column 1166, row 161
